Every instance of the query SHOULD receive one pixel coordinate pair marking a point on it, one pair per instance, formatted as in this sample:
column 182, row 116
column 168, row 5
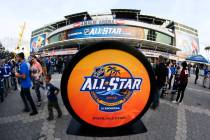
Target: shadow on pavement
column 75, row 128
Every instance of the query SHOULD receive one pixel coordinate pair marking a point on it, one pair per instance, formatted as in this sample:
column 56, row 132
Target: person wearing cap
column 183, row 81
column 25, row 82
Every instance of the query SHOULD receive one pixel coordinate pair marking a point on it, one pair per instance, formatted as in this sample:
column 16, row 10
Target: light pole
column 207, row 49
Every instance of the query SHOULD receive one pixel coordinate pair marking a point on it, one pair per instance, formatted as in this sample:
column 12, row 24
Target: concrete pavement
column 188, row 121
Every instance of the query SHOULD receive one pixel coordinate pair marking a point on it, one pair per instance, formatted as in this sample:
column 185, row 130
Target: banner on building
column 188, row 44
column 37, row 42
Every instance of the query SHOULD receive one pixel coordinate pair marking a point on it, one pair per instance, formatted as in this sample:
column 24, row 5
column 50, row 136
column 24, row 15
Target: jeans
column 6, row 82
column 52, row 105
column 170, row 80
column 205, row 80
column 59, row 69
column 196, row 78
column 48, row 70
column 14, row 83
column 37, row 90
column 181, row 90
column 52, row 68
column 26, row 95
column 2, row 90
column 156, row 98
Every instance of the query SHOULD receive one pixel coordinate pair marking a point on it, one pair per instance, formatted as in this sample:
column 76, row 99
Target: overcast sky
column 36, row 13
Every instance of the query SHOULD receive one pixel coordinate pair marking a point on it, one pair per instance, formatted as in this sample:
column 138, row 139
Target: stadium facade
column 151, row 35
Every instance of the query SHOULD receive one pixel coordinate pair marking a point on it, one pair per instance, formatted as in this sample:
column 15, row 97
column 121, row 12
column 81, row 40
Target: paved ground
column 188, row 121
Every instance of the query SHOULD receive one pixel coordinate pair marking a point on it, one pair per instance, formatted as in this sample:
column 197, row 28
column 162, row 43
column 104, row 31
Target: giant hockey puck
column 107, row 85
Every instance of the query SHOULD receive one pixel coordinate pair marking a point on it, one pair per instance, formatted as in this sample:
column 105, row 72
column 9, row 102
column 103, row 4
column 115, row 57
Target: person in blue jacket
column 206, row 71
column 173, row 72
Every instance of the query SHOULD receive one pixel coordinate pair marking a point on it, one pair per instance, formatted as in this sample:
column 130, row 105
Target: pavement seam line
column 181, row 132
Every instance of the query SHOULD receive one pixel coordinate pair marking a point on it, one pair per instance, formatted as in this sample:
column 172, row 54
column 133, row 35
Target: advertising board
column 188, row 44
column 103, row 31
column 37, row 42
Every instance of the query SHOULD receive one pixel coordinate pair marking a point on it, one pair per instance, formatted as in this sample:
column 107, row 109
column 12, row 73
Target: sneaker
column 59, row 115
column 38, row 104
column 26, row 110
column 174, row 102
column 33, row 113
column 154, row 107
column 50, row 118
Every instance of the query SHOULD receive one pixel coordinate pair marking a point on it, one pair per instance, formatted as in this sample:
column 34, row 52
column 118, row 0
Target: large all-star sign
column 107, row 85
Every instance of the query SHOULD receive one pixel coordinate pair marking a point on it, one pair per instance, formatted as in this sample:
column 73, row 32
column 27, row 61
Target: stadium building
column 151, row 35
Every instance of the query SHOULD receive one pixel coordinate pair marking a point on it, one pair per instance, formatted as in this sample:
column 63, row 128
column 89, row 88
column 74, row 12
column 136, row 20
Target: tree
column 5, row 54
column 113, row 71
column 207, row 48
column 2, row 48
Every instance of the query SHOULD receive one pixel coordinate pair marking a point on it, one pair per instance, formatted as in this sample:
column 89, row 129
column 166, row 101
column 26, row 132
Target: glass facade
column 58, row 37
column 54, row 38
column 158, row 37
column 163, row 38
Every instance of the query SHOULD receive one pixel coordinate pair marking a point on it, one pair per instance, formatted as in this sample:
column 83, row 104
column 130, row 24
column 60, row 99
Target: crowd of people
column 35, row 73
column 174, row 78
column 22, row 75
